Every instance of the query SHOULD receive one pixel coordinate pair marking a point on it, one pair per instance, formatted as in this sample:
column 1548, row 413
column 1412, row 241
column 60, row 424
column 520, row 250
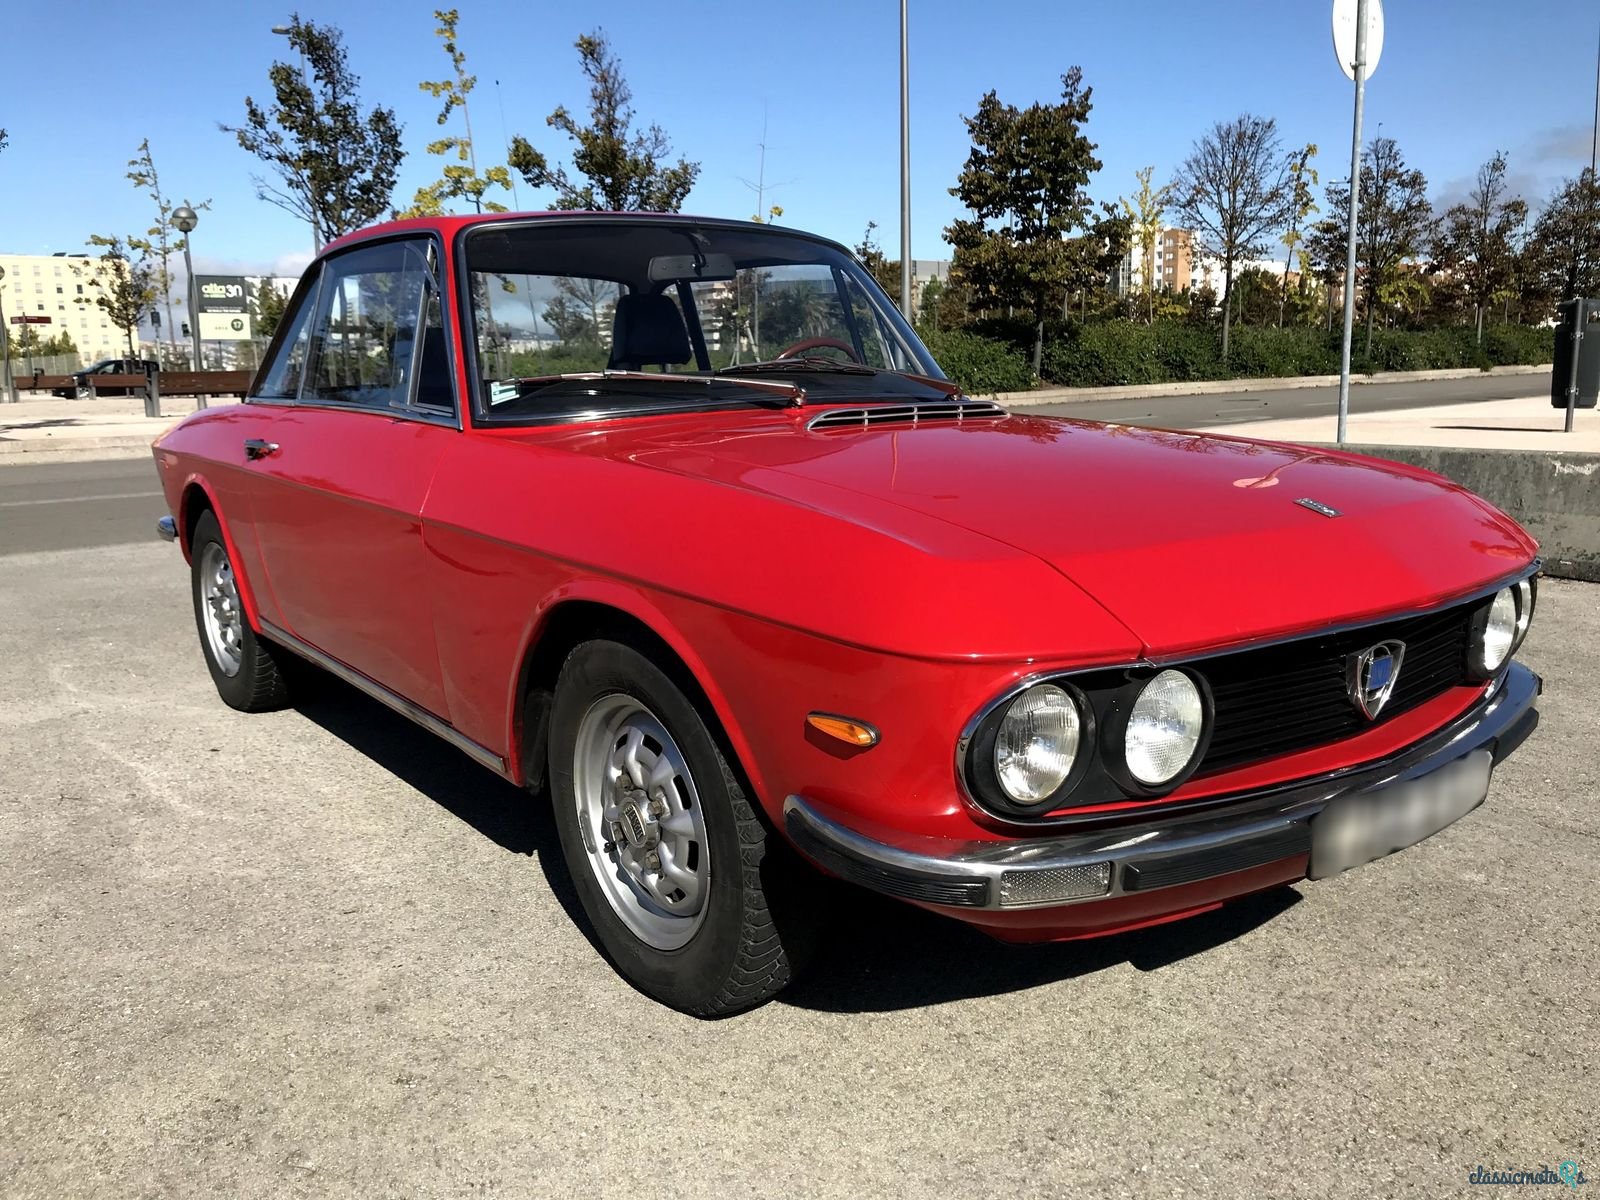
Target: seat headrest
column 646, row 331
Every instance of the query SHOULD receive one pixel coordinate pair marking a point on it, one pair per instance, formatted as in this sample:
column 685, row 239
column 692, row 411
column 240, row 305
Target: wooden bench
column 204, row 383
column 40, row 382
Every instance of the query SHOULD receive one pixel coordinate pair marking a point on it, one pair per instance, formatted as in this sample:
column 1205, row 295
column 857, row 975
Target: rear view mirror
column 668, row 268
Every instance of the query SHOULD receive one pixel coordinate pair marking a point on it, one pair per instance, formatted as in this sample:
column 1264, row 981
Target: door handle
column 259, row 448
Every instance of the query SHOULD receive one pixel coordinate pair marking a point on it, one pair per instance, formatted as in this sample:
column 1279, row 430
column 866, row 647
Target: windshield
column 676, row 298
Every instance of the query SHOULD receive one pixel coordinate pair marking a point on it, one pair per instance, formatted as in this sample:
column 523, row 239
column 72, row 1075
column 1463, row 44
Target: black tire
column 742, row 954
column 259, row 685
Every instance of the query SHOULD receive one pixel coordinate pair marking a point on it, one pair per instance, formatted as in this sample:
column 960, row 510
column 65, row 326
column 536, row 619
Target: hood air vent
column 939, row 411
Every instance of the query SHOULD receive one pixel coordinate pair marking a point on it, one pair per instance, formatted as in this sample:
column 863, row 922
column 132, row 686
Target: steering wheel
column 818, row 343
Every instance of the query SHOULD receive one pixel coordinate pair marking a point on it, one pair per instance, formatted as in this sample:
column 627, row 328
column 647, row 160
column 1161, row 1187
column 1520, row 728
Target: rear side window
column 364, row 342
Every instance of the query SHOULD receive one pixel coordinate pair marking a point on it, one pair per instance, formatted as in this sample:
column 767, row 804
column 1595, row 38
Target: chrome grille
column 943, row 411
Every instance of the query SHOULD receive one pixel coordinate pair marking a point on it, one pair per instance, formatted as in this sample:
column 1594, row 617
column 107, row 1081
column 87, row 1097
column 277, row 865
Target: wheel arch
column 197, row 499
column 575, row 619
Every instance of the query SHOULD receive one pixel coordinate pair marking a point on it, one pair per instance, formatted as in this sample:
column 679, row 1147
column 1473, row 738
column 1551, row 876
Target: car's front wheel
column 668, row 857
column 245, row 669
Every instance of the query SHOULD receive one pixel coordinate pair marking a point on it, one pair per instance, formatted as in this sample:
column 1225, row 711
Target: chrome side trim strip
column 389, row 699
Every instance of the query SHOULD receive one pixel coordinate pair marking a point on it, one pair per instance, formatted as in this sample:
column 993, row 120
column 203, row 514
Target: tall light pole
column 1353, row 58
column 10, row 384
column 905, row 166
column 305, row 76
column 184, row 220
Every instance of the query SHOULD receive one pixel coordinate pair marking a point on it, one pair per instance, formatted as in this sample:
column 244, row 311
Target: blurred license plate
column 1359, row 828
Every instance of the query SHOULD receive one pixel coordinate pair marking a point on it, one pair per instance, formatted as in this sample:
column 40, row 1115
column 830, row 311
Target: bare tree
column 1234, row 191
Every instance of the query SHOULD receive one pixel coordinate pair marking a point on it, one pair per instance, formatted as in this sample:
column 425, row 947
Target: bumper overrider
column 1235, row 837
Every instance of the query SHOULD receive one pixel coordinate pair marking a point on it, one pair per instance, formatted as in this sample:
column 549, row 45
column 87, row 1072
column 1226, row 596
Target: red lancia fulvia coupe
column 677, row 522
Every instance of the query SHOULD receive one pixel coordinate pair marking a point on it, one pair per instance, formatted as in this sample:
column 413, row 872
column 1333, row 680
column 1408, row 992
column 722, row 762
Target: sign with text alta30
column 222, row 303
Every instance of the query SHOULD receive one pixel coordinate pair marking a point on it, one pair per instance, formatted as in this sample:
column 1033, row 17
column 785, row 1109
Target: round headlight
column 1499, row 631
column 1164, row 729
column 1037, row 743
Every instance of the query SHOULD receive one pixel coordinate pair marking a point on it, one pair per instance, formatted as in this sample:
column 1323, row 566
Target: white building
column 51, row 286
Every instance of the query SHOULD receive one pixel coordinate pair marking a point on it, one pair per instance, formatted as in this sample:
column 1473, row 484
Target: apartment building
column 1173, row 263
column 51, row 286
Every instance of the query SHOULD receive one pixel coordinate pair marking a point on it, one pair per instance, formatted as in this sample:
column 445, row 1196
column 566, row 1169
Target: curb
column 41, row 450
column 1213, row 387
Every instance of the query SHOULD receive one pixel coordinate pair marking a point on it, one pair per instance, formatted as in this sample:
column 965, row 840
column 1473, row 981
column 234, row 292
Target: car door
column 366, row 407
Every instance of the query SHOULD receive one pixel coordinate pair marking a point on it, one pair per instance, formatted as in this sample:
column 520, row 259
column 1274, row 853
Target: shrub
column 980, row 365
column 1519, row 345
column 1103, row 354
column 1264, row 353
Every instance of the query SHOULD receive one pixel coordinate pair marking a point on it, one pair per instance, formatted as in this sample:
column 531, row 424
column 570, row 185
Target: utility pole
column 7, row 383
column 905, row 165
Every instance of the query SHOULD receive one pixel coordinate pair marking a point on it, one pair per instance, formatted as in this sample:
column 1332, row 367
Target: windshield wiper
column 804, row 362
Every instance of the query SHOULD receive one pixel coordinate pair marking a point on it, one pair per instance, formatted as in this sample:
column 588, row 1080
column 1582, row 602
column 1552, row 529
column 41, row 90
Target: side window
column 435, row 384
column 283, row 376
column 364, row 343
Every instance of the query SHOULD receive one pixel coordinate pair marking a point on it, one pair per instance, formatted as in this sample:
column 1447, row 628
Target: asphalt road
column 317, row 953
column 1235, row 408
column 58, row 506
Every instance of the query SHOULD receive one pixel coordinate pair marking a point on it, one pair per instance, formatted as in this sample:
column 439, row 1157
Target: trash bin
column 1588, row 376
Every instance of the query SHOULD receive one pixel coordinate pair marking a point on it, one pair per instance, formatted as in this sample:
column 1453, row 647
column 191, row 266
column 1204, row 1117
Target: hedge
column 995, row 355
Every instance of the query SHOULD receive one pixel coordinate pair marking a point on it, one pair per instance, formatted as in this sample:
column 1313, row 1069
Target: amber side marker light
column 852, row 733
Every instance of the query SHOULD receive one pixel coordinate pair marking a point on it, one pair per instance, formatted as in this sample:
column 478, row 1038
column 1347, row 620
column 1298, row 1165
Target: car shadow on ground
column 502, row 812
column 891, row 956
column 875, row 954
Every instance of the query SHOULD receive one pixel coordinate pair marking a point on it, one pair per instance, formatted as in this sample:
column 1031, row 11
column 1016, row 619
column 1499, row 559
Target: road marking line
column 79, row 499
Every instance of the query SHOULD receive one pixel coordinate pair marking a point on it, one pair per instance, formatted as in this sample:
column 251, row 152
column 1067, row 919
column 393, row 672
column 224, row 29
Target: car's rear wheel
column 244, row 668
column 670, row 861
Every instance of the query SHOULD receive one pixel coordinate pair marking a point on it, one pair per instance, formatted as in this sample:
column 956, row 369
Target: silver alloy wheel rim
column 219, row 609
column 642, row 823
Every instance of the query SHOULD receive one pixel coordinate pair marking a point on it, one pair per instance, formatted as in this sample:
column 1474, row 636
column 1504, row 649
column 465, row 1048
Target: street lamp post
column 184, row 220
column 9, row 384
column 305, row 76
column 905, row 166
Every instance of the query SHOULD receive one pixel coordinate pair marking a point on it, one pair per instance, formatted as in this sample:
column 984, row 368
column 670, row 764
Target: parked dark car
column 110, row 366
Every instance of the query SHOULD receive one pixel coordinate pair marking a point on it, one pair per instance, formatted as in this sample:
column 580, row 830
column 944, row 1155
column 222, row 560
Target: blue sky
column 1457, row 82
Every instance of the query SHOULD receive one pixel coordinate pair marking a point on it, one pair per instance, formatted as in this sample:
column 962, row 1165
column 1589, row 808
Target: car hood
column 1191, row 541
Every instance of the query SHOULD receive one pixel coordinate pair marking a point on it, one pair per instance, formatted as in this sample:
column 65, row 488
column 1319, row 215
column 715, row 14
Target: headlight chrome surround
column 982, row 750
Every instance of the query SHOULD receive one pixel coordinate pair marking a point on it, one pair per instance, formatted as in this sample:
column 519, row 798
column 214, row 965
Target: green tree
column 157, row 245
column 1562, row 258
column 1234, row 191
column 622, row 169
column 336, row 166
column 459, row 180
column 1144, row 213
column 1302, row 207
column 882, row 268
column 1395, row 226
column 1477, row 239
column 59, row 346
column 123, row 286
column 271, row 302
column 4, row 140
column 1025, row 183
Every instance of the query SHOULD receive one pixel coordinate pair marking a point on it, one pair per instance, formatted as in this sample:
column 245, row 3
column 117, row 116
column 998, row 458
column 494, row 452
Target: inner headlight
column 1164, row 729
column 1499, row 632
column 1037, row 743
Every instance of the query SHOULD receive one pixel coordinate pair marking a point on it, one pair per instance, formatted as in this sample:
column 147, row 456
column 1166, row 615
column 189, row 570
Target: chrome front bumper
column 1245, row 831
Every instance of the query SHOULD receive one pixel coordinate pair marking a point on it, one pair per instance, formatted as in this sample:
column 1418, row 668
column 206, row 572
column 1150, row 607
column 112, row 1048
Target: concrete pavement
column 318, row 953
